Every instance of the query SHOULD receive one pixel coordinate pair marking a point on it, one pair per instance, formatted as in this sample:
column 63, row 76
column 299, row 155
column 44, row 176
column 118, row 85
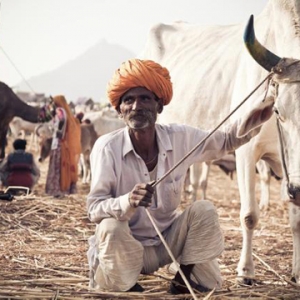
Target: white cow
column 18, row 127
column 104, row 122
column 212, row 72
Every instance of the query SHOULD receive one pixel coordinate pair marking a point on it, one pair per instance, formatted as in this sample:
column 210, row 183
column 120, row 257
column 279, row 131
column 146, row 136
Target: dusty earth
column 44, row 242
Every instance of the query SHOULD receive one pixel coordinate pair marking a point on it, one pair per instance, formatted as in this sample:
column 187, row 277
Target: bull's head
column 286, row 80
column 45, row 148
column 263, row 56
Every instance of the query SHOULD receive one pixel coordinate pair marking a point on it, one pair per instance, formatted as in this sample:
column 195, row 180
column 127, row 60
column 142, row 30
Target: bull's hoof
column 246, row 281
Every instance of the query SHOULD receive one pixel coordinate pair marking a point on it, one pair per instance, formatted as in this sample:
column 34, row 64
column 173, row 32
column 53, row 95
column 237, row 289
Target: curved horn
column 263, row 56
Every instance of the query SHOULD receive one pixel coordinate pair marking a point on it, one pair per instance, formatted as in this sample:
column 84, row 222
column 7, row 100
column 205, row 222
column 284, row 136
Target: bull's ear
column 256, row 117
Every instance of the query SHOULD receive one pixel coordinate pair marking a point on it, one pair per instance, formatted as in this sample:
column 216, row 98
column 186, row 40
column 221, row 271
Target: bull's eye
column 276, row 110
column 278, row 115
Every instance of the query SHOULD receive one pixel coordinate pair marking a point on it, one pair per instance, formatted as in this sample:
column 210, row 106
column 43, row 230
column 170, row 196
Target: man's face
column 139, row 108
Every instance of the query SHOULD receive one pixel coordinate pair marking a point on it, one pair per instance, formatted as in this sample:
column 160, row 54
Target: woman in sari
column 65, row 150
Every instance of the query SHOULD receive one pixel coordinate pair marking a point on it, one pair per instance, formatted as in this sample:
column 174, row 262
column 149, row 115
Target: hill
column 85, row 76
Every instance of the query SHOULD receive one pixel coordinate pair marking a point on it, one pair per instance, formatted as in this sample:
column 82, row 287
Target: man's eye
column 146, row 98
column 128, row 100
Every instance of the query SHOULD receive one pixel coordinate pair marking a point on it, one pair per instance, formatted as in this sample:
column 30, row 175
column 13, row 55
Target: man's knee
column 203, row 212
column 202, row 206
column 111, row 228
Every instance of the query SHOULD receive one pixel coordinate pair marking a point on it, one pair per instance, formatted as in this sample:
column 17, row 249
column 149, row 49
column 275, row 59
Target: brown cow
column 88, row 139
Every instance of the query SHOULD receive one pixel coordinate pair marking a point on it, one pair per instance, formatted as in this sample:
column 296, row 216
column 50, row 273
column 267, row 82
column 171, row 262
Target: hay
column 44, row 242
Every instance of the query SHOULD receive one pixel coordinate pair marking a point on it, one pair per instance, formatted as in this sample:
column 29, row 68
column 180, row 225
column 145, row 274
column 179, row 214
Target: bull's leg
column 204, row 178
column 83, row 166
column 265, row 179
column 35, row 142
column 186, row 185
column 31, row 141
column 294, row 216
column 87, row 166
column 195, row 170
column 249, row 212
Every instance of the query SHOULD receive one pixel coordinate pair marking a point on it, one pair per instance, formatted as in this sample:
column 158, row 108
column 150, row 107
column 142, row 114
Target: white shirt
column 116, row 168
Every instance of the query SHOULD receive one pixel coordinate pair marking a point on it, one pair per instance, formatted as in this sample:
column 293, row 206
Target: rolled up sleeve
column 101, row 201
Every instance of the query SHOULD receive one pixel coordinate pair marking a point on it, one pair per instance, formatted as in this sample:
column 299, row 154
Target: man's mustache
column 142, row 113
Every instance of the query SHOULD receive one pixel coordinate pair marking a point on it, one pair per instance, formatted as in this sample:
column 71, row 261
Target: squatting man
column 123, row 165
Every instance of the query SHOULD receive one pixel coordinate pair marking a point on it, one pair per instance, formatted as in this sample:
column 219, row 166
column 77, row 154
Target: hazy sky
column 40, row 35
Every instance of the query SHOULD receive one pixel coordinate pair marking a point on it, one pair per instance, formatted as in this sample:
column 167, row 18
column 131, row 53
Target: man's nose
column 136, row 104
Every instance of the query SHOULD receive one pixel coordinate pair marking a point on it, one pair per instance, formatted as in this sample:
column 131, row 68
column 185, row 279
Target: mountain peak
column 85, row 76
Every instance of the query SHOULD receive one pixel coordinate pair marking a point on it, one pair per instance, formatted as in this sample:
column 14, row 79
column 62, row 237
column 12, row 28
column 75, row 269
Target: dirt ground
column 44, row 242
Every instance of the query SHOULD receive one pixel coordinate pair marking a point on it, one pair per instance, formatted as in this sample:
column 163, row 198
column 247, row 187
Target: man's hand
column 141, row 195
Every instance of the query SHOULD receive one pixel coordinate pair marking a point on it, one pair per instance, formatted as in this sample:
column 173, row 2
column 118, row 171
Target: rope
column 155, row 183
column 211, row 133
column 17, row 70
column 45, row 114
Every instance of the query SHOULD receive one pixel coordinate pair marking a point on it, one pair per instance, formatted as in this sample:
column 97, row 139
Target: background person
column 19, row 167
column 62, row 173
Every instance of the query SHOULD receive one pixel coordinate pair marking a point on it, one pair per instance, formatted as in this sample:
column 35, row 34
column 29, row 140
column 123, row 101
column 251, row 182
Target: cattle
column 94, row 124
column 104, row 121
column 199, row 172
column 18, row 126
column 198, row 176
column 212, row 72
column 44, row 130
column 88, row 138
column 84, row 104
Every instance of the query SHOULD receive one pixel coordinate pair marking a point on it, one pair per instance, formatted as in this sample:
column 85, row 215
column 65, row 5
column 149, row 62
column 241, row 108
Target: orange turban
column 140, row 73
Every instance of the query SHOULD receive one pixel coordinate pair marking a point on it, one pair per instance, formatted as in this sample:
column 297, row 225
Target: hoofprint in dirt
column 44, row 242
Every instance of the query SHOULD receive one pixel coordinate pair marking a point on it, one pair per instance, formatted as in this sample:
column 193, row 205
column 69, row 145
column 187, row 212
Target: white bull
column 212, row 72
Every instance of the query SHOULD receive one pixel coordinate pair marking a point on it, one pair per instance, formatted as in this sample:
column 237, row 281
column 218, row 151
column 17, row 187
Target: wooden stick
column 272, row 270
column 171, row 255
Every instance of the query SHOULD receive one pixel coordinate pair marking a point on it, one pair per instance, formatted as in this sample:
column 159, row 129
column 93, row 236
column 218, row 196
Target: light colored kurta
column 116, row 168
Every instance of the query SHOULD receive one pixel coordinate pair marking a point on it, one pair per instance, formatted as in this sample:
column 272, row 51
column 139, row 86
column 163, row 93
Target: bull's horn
column 263, row 56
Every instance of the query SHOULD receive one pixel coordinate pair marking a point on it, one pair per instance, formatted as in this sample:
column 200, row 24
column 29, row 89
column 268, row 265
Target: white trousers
column 116, row 258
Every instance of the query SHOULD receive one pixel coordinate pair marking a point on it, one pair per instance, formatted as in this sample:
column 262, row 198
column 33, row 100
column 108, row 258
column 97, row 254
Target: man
column 126, row 161
column 19, row 167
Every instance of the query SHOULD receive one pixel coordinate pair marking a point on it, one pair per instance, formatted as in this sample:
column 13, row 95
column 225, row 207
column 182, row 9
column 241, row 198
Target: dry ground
column 44, row 242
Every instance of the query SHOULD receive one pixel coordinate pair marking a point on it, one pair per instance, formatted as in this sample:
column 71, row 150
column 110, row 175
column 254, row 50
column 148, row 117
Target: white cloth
column 194, row 237
column 116, row 168
column 60, row 116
